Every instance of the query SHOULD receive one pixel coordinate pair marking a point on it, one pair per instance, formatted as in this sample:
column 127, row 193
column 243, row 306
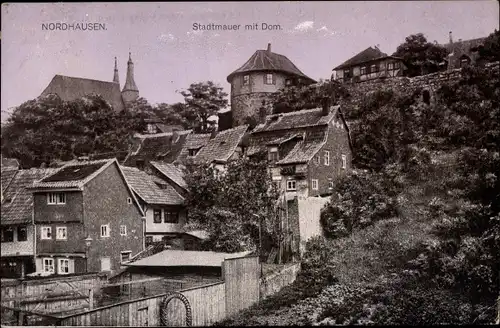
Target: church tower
column 115, row 76
column 130, row 91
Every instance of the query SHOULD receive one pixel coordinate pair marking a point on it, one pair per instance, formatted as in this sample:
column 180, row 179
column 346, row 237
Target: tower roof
column 116, row 79
column 265, row 60
column 130, row 82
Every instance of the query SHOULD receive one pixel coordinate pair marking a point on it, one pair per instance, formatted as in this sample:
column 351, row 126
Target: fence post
column 91, row 298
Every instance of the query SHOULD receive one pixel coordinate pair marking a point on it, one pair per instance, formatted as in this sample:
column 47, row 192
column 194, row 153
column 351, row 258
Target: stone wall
column 273, row 283
column 245, row 105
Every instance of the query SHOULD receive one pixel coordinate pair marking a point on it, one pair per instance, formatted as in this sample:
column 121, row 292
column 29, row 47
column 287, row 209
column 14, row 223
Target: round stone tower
column 253, row 83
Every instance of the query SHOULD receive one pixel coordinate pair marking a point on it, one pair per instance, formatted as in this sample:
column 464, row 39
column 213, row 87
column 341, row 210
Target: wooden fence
column 208, row 304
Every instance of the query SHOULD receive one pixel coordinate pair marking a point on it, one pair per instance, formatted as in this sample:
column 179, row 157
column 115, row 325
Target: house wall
column 337, row 143
column 105, row 202
column 71, row 211
column 383, row 70
column 160, row 228
column 246, row 100
column 75, row 234
column 19, row 247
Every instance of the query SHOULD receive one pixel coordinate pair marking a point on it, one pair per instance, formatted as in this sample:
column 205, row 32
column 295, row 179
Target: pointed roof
column 130, row 82
column 70, row 88
column 222, row 146
column 17, row 205
column 265, row 60
column 116, row 79
column 171, row 171
column 464, row 46
column 364, row 56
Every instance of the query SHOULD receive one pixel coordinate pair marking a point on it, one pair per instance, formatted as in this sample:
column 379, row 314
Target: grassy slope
column 369, row 257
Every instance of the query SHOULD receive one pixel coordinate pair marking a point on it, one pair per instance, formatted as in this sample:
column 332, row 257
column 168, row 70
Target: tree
column 233, row 204
column 293, row 98
column 420, row 56
column 204, row 100
column 47, row 129
column 490, row 50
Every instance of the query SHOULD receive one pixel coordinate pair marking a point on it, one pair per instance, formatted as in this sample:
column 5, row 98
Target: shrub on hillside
column 359, row 200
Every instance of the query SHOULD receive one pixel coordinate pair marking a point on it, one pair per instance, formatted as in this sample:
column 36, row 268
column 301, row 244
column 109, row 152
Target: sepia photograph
column 278, row 163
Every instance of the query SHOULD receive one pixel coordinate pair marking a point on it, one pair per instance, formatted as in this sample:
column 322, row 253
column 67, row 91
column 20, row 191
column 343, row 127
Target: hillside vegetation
column 413, row 235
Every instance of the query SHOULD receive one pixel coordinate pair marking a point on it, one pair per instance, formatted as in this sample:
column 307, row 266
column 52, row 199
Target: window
column 288, row 82
column 363, row 70
column 171, row 217
column 61, row 233
column 157, row 216
column 314, row 184
column 397, row 65
column 268, row 79
column 327, row 157
column 58, row 198
column 123, row 230
column 192, row 152
column 63, row 266
column 344, row 161
column 330, row 184
column 46, row 233
column 390, row 66
column 347, row 73
column 291, row 185
column 7, row 235
column 105, row 230
column 22, row 233
column 273, row 156
column 317, row 159
column 129, row 200
column 426, row 97
column 374, row 68
column 246, row 80
column 464, row 61
column 125, row 256
column 149, row 240
column 151, row 128
column 48, row 265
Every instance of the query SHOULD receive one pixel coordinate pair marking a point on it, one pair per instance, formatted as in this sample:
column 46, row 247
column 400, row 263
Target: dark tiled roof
column 165, row 146
column 74, row 172
column 172, row 172
column 17, row 206
column 194, row 141
column 298, row 119
column 222, row 146
column 364, row 56
column 74, row 175
column 71, row 88
column 264, row 60
column 145, row 187
column 8, row 174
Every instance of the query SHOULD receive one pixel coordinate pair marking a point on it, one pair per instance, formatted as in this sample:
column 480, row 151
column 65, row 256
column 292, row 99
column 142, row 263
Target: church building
column 70, row 88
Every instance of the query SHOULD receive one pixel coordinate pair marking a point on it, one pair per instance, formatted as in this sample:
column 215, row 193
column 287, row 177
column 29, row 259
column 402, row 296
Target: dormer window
column 192, row 152
column 246, row 79
column 273, row 155
column 151, row 128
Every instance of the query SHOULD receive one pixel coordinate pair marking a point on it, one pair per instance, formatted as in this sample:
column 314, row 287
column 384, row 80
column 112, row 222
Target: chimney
column 451, row 38
column 213, row 134
column 269, row 48
column 325, row 110
column 262, row 112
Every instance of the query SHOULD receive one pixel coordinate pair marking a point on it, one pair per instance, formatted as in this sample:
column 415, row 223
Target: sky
column 169, row 55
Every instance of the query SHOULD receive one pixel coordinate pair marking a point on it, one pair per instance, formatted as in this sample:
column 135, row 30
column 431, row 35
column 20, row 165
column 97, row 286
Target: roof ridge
column 162, row 134
column 234, row 129
column 84, row 78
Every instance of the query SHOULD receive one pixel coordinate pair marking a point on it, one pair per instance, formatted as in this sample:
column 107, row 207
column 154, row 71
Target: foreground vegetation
column 412, row 236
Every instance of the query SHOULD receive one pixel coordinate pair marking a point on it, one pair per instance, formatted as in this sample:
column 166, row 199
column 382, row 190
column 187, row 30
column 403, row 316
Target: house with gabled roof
column 173, row 173
column 463, row 52
column 369, row 64
column 225, row 146
column 263, row 74
column 88, row 219
column 16, row 221
column 164, row 210
column 308, row 150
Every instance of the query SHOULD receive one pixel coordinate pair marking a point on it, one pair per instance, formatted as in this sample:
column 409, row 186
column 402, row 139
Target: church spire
column 116, row 79
column 130, row 91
